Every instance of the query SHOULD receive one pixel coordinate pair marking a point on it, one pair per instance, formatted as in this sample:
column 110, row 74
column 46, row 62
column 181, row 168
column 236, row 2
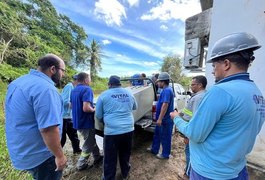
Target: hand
column 186, row 140
column 61, row 163
column 159, row 122
column 174, row 114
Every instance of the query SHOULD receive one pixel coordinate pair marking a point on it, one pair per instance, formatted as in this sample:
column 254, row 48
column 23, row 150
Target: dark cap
column 75, row 77
column 114, row 80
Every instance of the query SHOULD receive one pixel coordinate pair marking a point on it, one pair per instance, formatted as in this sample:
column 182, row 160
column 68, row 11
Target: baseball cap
column 74, row 77
column 114, row 80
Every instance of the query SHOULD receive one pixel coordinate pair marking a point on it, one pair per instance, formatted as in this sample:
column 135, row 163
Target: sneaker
column 150, row 151
column 82, row 163
column 85, row 155
column 98, row 161
column 160, row 156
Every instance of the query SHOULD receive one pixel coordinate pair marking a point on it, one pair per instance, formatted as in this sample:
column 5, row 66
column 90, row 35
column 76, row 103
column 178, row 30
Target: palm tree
column 94, row 58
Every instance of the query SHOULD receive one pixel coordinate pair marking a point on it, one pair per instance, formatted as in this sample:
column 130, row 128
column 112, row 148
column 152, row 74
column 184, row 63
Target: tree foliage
column 32, row 28
column 172, row 65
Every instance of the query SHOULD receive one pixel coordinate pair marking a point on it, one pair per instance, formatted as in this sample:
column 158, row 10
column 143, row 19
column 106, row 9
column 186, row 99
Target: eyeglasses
column 62, row 69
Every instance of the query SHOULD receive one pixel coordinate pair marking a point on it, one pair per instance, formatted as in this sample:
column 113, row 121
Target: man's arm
column 87, row 107
column 66, row 95
column 99, row 109
column 162, row 113
column 207, row 115
column 51, row 137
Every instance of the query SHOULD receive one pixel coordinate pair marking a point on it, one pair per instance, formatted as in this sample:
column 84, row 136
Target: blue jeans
column 163, row 135
column 46, row 171
column 114, row 146
column 243, row 175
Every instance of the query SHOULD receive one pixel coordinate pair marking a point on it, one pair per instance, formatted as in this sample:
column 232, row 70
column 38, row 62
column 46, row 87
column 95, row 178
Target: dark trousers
column 46, row 171
column 243, row 175
column 114, row 146
column 72, row 134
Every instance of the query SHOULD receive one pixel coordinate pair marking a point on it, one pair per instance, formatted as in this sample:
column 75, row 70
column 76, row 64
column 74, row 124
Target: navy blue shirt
column 82, row 120
column 166, row 96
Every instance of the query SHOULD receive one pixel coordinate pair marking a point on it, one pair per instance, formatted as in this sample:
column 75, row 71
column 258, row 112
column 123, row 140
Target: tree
column 173, row 65
column 94, row 58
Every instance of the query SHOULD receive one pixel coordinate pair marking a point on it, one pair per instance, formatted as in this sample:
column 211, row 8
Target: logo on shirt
column 121, row 97
column 259, row 99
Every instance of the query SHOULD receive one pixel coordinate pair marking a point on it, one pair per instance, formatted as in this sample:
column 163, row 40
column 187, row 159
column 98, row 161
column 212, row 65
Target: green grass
column 6, row 169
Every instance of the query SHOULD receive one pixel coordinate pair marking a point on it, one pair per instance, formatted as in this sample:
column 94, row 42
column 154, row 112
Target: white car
column 181, row 96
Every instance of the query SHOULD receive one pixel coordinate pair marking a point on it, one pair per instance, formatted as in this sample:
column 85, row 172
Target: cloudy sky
column 135, row 34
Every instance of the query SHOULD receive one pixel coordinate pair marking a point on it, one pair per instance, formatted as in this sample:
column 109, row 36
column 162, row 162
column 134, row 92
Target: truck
column 220, row 18
column 146, row 98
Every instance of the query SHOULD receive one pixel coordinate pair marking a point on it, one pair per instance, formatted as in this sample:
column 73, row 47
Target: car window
column 177, row 89
column 182, row 90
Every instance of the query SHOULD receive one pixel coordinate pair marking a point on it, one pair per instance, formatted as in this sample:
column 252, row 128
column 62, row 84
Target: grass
column 7, row 171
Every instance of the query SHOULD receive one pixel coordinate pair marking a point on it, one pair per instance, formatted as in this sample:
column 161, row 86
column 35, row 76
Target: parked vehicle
column 146, row 98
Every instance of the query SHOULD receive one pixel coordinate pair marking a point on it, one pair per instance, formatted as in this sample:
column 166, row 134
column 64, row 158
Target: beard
column 56, row 78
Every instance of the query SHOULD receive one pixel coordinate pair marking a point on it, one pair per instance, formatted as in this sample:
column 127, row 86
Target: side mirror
column 188, row 93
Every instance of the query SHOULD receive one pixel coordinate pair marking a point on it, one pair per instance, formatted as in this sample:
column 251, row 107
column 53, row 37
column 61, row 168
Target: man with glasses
column 224, row 128
column 34, row 119
column 198, row 85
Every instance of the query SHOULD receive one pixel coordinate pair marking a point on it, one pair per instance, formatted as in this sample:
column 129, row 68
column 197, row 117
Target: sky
column 135, row 35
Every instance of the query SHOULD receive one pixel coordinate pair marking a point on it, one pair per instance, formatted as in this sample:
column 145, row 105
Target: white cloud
column 141, row 46
column 106, row 41
column 173, row 9
column 111, row 11
column 133, row 2
column 164, row 27
column 150, row 63
column 118, row 66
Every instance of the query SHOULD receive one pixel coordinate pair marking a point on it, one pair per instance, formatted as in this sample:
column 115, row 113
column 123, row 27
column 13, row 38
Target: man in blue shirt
column 67, row 117
column 138, row 79
column 83, row 119
column 34, row 119
column 164, row 127
column 198, row 85
column 224, row 128
column 114, row 108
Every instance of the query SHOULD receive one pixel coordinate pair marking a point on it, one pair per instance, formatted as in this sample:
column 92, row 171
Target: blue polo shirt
column 32, row 103
column 66, row 92
column 115, row 107
column 82, row 120
column 138, row 82
column 224, row 128
column 166, row 96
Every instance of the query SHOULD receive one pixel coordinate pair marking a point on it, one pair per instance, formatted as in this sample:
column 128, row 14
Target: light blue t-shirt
column 66, row 92
column 115, row 107
column 32, row 103
column 224, row 128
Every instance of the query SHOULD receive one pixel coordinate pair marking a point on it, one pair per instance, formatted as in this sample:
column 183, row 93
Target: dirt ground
column 145, row 166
